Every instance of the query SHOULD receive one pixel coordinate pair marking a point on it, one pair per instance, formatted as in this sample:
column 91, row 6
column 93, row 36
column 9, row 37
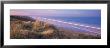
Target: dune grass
column 41, row 30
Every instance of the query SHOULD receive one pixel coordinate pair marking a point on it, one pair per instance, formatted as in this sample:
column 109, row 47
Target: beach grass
column 20, row 29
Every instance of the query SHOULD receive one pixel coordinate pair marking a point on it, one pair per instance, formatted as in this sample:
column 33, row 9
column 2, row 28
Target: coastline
column 43, row 30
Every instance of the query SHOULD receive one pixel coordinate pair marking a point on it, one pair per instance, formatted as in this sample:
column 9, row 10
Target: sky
column 57, row 12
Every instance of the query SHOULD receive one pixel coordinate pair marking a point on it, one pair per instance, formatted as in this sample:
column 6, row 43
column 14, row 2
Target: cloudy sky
column 57, row 12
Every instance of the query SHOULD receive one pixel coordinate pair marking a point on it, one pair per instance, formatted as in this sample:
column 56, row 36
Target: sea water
column 94, row 21
column 83, row 20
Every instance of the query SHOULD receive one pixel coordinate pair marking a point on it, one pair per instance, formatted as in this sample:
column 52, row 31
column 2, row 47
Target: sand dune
column 28, row 29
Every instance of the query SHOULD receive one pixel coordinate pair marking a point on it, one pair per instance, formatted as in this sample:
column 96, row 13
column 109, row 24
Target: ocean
column 96, row 21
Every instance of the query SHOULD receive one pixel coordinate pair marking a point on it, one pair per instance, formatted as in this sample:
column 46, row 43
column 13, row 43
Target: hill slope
column 24, row 27
column 23, row 18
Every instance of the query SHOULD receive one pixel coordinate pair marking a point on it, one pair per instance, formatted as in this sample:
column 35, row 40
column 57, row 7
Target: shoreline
column 24, row 30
